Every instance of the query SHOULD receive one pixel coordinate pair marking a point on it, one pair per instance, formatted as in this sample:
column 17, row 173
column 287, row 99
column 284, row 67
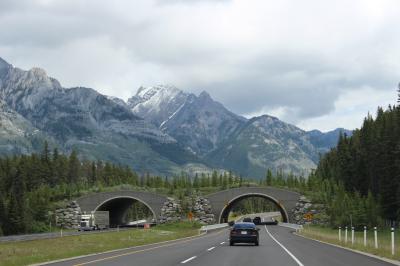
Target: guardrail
column 292, row 226
column 212, row 227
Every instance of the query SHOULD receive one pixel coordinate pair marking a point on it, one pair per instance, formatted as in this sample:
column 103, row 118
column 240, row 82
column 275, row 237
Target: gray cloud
column 293, row 59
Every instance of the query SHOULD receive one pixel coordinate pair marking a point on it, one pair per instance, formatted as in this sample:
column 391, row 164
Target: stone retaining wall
column 307, row 212
column 69, row 216
column 202, row 210
column 170, row 211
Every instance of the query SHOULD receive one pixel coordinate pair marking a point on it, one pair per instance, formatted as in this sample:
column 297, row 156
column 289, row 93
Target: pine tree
column 73, row 168
column 196, row 182
column 268, row 178
column 93, row 174
column 398, row 93
column 3, row 217
column 214, row 179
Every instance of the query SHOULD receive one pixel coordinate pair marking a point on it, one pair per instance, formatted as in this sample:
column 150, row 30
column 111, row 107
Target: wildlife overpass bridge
column 118, row 202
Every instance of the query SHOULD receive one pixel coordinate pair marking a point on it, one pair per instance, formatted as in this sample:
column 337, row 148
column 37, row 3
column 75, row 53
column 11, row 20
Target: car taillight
column 233, row 232
column 254, row 232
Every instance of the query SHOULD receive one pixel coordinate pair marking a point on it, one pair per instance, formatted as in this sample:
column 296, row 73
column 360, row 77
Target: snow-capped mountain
column 197, row 122
column 159, row 103
column 162, row 129
column 83, row 119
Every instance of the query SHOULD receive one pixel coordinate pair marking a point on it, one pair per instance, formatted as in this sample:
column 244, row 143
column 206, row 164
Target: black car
column 244, row 233
column 247, row 220
column 257, row 220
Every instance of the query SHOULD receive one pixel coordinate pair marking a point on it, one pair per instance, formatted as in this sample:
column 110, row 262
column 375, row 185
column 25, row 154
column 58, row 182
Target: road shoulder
column 394, row 262
column 118, row 250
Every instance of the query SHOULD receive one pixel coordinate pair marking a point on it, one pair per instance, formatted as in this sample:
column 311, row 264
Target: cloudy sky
column 317, row 64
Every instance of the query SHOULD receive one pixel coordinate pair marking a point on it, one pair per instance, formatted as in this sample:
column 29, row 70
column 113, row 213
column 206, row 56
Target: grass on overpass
column 35, row 251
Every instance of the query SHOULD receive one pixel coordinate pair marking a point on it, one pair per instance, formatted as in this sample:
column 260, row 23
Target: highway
column 278, row 247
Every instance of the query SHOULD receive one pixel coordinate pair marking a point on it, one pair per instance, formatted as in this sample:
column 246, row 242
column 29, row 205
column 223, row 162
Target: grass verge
column 35, row 251
column 332, row 236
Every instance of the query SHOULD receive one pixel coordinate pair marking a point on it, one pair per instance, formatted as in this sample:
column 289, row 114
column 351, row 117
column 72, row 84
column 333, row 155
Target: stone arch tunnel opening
column 253, row 204
column 125, row 210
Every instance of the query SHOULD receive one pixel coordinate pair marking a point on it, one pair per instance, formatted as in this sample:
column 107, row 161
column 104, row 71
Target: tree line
column 31, row 186
column 367, row 165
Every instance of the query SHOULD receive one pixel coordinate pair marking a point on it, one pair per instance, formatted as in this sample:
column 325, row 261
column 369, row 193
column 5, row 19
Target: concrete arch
column 118, row 202
column 225, row 211
column 118, row 206
column 286, row 200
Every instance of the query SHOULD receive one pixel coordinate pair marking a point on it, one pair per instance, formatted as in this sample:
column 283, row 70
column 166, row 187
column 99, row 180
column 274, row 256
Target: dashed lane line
column 284, row 248
column 210, row 249
column 144, row 250
column 189, row 259
column 222, row 243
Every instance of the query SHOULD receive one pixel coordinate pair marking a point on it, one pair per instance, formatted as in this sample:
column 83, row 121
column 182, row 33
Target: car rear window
column 244, row 226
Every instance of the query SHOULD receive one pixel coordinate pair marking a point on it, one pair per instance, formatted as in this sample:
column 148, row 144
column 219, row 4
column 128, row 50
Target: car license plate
column 244, row 232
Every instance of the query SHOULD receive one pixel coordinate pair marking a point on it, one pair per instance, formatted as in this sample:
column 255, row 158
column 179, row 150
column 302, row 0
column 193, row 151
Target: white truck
column 95, row 220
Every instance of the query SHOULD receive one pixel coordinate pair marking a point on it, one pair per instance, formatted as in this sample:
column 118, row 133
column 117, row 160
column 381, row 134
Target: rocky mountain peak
column 38, row 72
column 157, row 103
column 266, row 118
column 204, row 95
column 4, row 67
column 3, row 63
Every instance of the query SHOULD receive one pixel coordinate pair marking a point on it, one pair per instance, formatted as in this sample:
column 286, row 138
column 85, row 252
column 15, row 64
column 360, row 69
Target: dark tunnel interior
column 117, row 208
column 228, row 208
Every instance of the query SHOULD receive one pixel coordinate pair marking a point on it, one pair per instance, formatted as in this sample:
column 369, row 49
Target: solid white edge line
column 284, row 248
column 189, row 259
column 394, row 262
column 210, row 249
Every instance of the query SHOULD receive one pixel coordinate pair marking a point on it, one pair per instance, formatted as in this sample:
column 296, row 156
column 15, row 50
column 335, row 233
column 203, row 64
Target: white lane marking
column 284, row 248
column 210, row 249
column 189, row 259
column 222, row 243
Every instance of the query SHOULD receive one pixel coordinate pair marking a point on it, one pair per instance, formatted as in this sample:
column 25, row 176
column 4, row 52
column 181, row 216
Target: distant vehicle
column 244, row 233
column 257, row 220
column 272, row 222
column 97, row 220
column 231, row 223
column 247, row 220
column 136, row 223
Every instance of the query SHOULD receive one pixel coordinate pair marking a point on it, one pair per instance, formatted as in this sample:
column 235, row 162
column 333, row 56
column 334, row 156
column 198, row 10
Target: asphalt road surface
column 278, row 247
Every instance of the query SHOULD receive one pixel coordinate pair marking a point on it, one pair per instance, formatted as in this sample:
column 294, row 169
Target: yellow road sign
column 308, row 216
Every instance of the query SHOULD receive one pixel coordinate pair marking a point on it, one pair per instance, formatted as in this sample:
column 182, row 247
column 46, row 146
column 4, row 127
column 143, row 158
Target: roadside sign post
column 340, row 234
column 352, row 235
column 376, row 237
column 365, row 236
column 308, row 216
column 345, row 235
column 392, row 234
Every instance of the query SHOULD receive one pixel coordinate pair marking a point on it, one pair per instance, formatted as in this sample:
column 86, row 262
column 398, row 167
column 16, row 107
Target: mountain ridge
column 160, row 129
